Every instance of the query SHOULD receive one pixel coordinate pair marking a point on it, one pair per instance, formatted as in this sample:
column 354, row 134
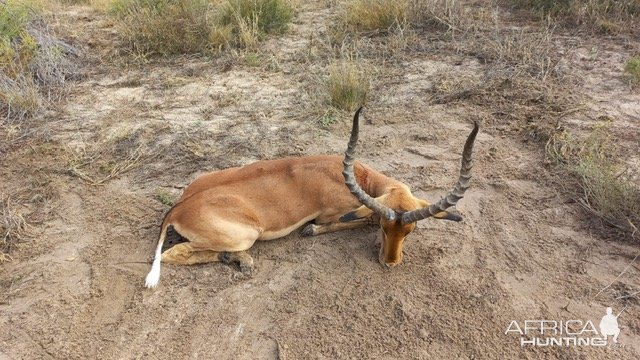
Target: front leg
column 313, row 229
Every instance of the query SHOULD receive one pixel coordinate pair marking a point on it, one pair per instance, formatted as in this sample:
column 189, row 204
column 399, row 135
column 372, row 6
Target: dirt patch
column 75, row 288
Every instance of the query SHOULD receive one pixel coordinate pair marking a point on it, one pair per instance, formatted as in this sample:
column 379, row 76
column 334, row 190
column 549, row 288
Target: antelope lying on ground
column 222, row 213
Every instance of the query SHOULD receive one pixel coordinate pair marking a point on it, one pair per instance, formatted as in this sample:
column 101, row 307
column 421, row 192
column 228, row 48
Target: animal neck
column 374, row 183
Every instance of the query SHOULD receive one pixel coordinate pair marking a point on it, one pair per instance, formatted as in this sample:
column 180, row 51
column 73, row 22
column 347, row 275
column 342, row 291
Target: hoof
column 308, row 230
column 241, row 259
column 225, row 258
column 246, row 268
column 245, row 263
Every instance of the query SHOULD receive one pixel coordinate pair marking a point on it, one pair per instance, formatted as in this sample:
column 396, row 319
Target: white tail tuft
column 153, row 278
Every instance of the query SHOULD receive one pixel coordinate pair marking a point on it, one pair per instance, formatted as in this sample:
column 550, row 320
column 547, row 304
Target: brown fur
column 229, row 210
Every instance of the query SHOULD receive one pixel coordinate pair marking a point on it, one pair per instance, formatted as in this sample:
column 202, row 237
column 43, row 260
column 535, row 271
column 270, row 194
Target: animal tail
column 153, row 278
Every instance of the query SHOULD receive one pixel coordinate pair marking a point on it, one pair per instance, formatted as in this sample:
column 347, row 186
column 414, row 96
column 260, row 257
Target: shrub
column 605, row 189
column 632, row 70
column 376, row 15
column 164, row 27
column 32, row 60
column 167, row 27
column 347, row 86
column 251, row 19
column 269, row 16
column 446, row 15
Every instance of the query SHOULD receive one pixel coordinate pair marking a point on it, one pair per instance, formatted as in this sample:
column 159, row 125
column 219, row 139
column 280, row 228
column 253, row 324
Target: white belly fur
column 270, row 235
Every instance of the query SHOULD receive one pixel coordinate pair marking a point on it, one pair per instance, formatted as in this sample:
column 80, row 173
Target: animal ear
column 359, row 213
column 445, row 215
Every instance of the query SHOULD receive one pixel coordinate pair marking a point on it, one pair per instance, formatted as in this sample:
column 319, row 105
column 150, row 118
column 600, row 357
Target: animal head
column 398, row 210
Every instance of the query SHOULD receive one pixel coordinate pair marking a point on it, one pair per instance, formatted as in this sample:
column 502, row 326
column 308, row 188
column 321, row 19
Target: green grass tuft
column 165, row 197
column 632, row 70
column 347, row 86
column 269, row 16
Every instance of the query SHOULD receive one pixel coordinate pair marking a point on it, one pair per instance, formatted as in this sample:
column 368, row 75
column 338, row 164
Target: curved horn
column 350, row 179
column 458, row 191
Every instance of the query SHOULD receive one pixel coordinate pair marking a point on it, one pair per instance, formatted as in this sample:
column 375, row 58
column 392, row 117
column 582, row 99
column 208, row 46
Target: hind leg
column 187, row 254
column 212, row 237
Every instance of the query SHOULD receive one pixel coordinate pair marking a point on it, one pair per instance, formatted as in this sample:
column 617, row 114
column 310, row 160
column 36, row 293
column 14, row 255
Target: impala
column 222, row 213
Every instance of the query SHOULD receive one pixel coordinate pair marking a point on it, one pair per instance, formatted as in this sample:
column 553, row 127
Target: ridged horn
column 458, row 191
column 350, row 178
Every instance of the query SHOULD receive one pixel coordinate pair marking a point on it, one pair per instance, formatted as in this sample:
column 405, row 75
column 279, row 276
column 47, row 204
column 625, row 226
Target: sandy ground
column 525, row 251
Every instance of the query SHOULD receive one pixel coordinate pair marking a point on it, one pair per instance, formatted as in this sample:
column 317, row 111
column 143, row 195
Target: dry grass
column 151, row 152
column 34, row 64
column 452, row 16
column 347, row 85
column 522, row 80
column 111, row 156
column 75, row 2
column 269, row 16
column 13, row 227
column 603, row 16
column 605, row 189
column 20, row 98
column 522, row 53
column 376, row 15
column 528, row 106
column 523, row 83
column 161, row 27
column 527, row 88
column 164, row 27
